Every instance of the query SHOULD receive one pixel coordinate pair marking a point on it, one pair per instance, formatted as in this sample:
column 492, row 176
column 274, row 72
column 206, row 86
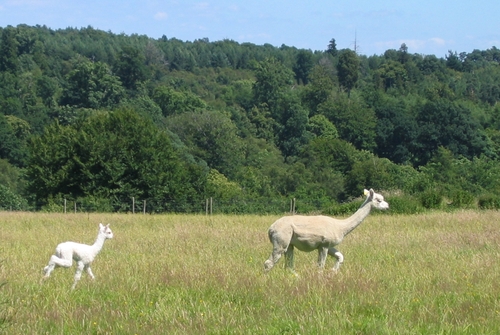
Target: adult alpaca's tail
column 271, row 234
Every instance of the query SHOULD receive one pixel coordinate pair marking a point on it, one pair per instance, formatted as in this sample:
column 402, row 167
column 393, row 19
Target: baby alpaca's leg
column 78, row 273
column 89, row 271
column 54, row 262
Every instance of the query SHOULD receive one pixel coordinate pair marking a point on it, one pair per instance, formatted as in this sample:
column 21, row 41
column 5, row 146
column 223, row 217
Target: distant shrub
column 404, row 204
column 53, row 206
column 10, row 200
column 489, row 201
column 344, row 209
column 431, row 199
column 462, row 199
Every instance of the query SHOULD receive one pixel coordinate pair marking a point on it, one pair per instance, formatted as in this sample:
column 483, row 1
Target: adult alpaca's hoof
column 268, row 265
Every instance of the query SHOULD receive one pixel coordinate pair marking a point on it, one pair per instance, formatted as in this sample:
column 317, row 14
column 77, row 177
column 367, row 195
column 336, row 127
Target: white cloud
column 413, row 45
column 161, row 16
column 437, row 41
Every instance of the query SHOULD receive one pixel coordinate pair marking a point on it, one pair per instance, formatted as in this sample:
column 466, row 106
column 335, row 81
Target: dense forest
column 98, row 118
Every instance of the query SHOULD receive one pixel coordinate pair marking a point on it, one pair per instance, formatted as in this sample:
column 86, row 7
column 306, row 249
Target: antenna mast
column 355, row 42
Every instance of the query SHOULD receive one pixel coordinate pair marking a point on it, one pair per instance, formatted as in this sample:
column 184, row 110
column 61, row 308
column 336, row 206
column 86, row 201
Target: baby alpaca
column 83, row 254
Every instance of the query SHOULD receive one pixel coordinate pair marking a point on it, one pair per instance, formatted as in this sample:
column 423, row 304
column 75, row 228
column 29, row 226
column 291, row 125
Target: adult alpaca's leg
column 273, row 259
column 280, row 238
column 322, row 253
column 289, row 257
column 338, row 255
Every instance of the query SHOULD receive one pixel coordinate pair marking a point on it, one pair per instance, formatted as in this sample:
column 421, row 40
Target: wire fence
column 208, row 206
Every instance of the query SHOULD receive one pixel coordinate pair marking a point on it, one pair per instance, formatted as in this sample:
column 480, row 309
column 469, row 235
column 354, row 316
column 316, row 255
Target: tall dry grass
column 432, row 273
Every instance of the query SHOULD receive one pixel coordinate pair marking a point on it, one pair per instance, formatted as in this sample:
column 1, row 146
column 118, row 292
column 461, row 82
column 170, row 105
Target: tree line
column 98, row 118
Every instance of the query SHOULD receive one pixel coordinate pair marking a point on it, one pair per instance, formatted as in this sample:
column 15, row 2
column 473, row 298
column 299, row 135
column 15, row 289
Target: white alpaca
column 322, row 233
column 83, row 254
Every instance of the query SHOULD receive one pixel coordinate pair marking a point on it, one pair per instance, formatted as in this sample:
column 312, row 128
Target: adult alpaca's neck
column 355, row 220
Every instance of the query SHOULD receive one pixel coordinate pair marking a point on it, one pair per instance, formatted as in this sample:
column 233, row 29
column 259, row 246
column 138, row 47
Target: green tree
column 450, row 125
column 10, row 177
column 91, row 85
column 355, row 122
column 348, row 69
column 130, row 67
column 319, row 88
column 397, row 131
column 264, row 124
column 303, row 65
column 293, row 132
column 10, row 102
column 332, row 48
column 391, row 74
column 404, row 57
column 210, row 136
column 173, row 102
column 320, row 126
column 114, row 156
column 9, row 60
column 12, row 139
column 453, row 61
column 272, row 81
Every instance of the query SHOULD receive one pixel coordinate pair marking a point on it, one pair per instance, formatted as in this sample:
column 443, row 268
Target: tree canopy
column 99, row 117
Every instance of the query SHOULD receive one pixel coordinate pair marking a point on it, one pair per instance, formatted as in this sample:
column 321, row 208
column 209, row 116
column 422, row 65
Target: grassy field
column 435, row 273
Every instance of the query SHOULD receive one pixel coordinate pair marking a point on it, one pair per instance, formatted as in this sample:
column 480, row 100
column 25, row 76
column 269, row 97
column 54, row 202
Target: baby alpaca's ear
column 101, row 226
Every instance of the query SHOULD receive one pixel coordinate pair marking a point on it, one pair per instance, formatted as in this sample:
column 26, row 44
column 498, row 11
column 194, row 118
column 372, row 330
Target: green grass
column 431, row 273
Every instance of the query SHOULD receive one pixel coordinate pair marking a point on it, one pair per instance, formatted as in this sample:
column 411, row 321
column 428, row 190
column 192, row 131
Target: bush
column 431, row 199
column 53, row 205
column 344, row 209
column 404, row 204
column 489, row 201
column 462, row 199
column 10, row 200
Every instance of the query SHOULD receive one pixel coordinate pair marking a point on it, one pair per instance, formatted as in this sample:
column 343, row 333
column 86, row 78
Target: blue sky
column 425, row 26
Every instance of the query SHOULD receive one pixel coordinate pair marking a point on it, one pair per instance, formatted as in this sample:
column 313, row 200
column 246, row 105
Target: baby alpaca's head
column 105, row 230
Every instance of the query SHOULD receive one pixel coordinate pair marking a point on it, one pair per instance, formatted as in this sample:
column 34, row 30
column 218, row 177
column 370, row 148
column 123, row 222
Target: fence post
column 133, row 205
column 64, row 205
column 75, row 206
column 144, row 208
column 210, row 205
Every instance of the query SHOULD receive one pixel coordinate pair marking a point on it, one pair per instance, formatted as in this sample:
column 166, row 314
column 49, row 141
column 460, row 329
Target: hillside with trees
column 98, row 118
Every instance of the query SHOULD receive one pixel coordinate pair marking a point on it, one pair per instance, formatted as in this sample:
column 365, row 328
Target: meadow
column 432, row 273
